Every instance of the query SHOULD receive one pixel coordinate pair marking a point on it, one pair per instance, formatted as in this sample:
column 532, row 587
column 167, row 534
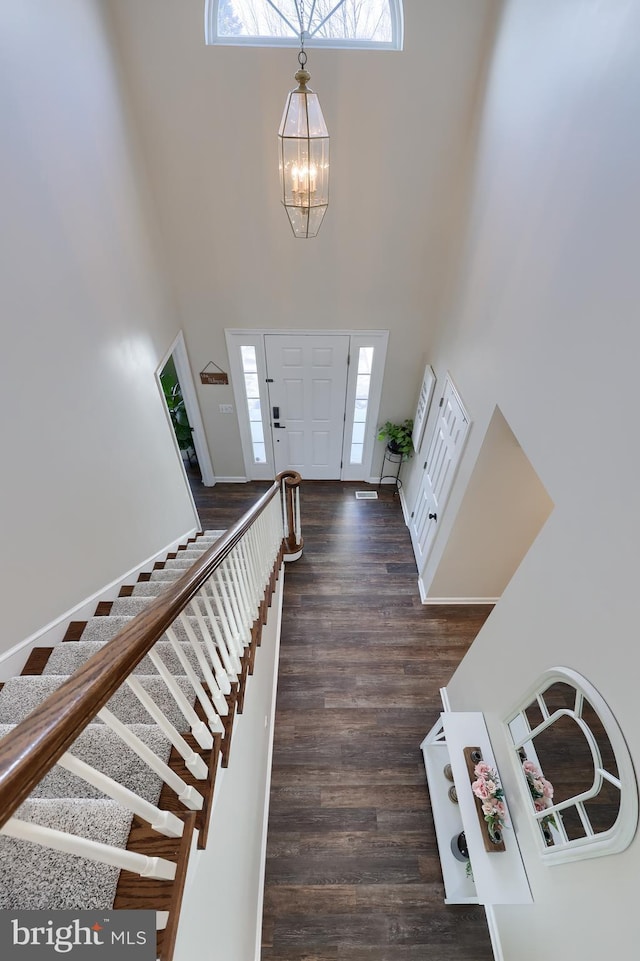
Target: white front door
column 307, row 381
column 443, row 453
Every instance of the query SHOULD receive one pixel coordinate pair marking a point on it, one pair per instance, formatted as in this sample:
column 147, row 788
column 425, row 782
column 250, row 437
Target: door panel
column 307, row 381
column 443, row 454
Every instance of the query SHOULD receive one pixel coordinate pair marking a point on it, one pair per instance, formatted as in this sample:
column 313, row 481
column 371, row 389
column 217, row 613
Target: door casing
column 237, row 338
column 443, row 452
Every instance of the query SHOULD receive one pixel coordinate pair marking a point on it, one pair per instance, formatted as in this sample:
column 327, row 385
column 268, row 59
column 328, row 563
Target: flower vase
column 492, row 835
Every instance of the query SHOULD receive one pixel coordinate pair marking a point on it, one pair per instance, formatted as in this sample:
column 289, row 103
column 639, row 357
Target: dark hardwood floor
column 352, row 866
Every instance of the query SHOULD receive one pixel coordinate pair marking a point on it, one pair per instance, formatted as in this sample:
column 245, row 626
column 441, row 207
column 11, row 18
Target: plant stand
column 391, row 461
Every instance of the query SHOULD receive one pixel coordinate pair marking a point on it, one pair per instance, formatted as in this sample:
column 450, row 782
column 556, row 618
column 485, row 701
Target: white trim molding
column 537, row 712
column 454, row 600
column 178, row 351
column 13, row 660
column 255, row 337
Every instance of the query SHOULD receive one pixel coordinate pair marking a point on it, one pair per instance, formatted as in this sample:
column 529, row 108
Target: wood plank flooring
column 352, row 867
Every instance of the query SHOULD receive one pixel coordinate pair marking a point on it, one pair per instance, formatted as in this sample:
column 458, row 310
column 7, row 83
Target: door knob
column 280, row 426
column 433, row 517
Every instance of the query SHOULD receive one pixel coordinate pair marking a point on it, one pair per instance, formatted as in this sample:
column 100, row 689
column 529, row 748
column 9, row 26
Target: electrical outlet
column 225, row 408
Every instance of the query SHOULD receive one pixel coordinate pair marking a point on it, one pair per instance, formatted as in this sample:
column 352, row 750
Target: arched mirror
column 575, row 769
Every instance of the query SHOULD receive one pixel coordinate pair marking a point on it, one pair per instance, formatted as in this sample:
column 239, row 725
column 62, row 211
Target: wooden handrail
column 33, row 746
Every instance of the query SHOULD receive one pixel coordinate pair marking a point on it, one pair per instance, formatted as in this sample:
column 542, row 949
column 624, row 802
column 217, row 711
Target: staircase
column 110, row 825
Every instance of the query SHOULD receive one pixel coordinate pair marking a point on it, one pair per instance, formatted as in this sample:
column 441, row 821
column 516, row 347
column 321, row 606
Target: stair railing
column 225, row 592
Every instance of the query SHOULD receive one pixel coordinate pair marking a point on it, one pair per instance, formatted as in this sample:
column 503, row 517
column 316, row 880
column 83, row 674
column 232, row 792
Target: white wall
column 91, row 484
column 545, row 324
column 503, row 509
column 221, row 915
column 400, row 126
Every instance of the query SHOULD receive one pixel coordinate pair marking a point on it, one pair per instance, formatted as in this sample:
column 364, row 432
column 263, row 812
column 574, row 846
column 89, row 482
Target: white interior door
column 443, row 453
column 307, row 380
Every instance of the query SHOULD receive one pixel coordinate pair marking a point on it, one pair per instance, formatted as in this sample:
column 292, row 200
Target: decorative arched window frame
column 594, row 844
column 311, row 40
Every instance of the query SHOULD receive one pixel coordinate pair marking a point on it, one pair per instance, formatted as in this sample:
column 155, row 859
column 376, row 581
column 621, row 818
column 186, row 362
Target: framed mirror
column 575, row 770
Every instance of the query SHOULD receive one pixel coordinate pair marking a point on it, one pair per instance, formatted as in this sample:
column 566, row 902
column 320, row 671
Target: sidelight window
column 252, row 394
column 361, row 403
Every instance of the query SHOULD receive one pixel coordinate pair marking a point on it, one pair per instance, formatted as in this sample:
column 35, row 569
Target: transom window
column 576, row 772
column 376, row 24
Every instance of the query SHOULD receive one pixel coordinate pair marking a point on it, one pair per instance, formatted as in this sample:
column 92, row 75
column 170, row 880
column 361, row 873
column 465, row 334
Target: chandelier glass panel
column 303, row 144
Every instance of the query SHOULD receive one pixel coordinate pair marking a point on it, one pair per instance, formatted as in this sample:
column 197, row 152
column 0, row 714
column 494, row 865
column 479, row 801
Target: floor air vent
column 367, row 495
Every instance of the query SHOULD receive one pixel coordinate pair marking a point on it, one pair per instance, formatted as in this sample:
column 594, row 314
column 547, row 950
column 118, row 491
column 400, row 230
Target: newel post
column 292, row 541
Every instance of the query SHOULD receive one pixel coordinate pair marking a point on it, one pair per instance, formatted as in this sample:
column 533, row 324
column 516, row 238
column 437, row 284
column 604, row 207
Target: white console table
column 498, row 876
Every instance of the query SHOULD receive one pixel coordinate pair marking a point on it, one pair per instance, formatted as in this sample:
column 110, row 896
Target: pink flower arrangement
column 541, row 791
column 487, row 788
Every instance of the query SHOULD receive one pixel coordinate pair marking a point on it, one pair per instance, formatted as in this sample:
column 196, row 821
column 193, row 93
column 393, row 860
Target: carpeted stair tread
column 151, row 588
column 101, row 747
column 35, row 877
column 129, row 606
column 20, row 695
column 166, row 574
column 178, row 563
column 104, row 628
column 67, row 658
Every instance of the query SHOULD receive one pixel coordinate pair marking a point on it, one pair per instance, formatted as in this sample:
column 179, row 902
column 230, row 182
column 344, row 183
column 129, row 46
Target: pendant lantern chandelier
column 303, row 145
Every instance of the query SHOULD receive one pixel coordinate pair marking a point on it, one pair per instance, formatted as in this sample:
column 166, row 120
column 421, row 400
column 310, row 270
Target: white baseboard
column 426, row 600
column 13, row 660
column 461, row 600
column 405, row 507
column 232, row 480
column 494, row 933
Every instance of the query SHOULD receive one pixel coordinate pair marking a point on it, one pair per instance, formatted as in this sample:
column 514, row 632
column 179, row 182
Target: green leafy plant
column 398, row 437
column 178, row 413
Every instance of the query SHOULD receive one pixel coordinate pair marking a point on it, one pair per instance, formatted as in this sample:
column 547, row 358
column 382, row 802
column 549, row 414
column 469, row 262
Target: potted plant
column 398, row 437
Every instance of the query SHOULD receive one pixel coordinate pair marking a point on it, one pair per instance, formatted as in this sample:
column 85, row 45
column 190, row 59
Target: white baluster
column 198, row 727
column 216, row 588
column 164, row 822
column 229, row 582
column 214, row 720
column 248, row 575
column 93, row 850
column 193, row 762
column 191, row 798
column 215, row 724
column 240, row 588
column 225, row 644
column 285, row 519
column 221, row 676
column 297, row 517
column 240, row 607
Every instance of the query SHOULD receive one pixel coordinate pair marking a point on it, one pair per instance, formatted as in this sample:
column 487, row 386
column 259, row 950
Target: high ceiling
column 204, row 120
